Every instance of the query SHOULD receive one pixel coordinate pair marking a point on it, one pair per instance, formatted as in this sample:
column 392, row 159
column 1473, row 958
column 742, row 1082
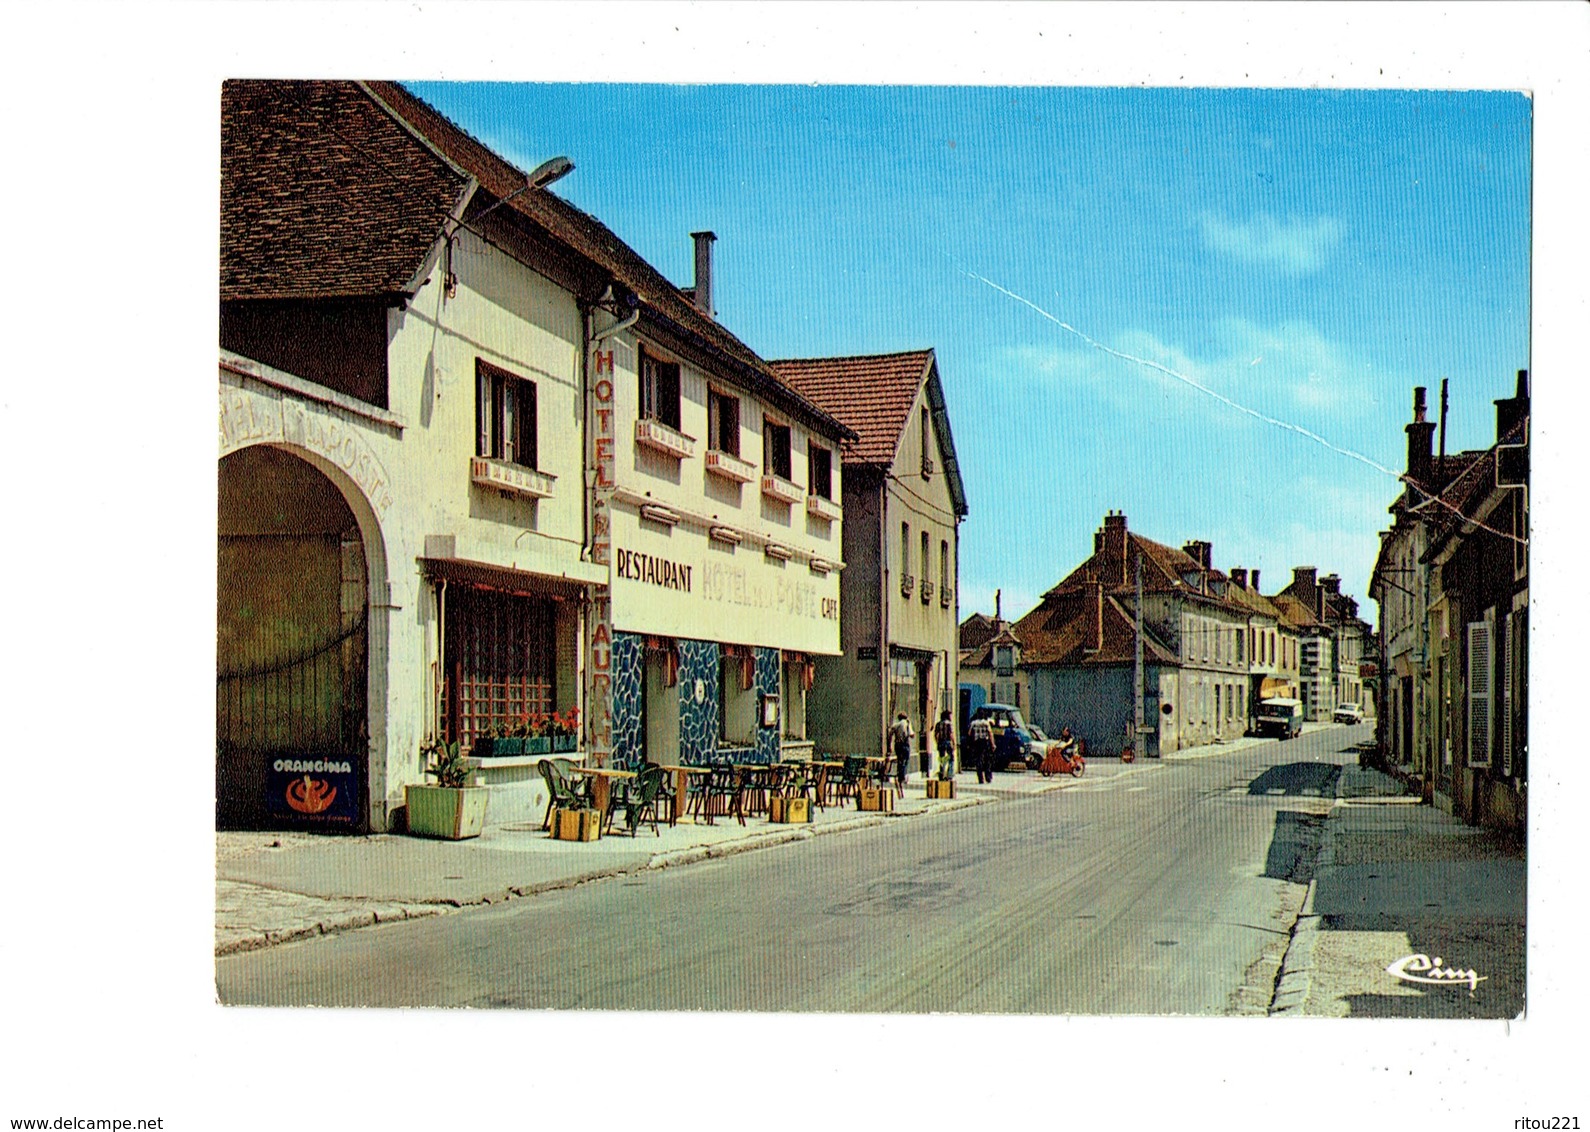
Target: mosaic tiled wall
column 698, row 722
column 629, row 652
column 769, row 740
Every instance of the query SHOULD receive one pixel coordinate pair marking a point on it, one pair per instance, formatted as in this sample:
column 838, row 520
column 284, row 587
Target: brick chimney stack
column 1200, row 552
column 1420, row 434
column 1511, row 410
column 1116, row 569
column 1331, row 584
column 1239, row 577
column 1254, row 578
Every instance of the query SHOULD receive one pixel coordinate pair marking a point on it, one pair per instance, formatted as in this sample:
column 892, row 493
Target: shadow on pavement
column 1493, row 950
column 1294, row 846
column 1317, row 780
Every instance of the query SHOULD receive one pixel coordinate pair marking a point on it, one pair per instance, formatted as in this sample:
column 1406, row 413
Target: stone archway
column 293, row 643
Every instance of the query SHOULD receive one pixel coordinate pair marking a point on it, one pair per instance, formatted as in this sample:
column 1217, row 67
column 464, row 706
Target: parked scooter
column 1065, row 758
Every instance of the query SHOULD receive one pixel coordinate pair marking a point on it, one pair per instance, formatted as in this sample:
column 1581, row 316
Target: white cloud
column 1297, row 246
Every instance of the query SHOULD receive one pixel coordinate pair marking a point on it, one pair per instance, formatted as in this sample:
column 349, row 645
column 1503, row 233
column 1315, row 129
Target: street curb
column 1295, row 981
column 350, row 921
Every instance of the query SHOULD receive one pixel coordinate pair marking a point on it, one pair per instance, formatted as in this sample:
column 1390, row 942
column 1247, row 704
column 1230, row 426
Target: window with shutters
column 505, row 415
column 659, row 390
column 1479, row 689
column 1507, row 695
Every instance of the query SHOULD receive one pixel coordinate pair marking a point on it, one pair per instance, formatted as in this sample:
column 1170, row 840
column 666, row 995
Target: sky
column 1141, row 299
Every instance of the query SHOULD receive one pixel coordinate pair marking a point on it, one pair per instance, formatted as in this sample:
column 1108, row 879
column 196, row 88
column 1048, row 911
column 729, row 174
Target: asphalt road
column 1165, row 888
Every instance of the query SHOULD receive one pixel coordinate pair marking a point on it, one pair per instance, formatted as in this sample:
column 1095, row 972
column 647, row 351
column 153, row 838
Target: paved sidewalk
column 275, row 887
column 1397, row 879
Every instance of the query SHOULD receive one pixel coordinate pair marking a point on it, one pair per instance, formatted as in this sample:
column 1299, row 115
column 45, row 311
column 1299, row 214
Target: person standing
column 982, row 749
column 900, row 736
column 944, row 738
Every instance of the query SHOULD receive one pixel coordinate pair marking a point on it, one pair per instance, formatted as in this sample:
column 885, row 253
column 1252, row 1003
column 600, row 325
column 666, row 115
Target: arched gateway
column 292, row 689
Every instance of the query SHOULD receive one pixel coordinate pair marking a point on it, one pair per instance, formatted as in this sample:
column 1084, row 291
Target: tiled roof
column 323, row 194
column 342, row 188
column 976, row 630
column 1295, row 612
column 982, row 655
column 1163, row 567
column 871, row 394
column 1060, row 630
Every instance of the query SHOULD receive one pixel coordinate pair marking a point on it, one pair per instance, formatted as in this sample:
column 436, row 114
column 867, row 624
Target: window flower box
column 513, row 478
column 822, row 508
column 946, row 597
column 927, row 592
column 653, row 434
column 907, row 585
column 730, row 466
column 498, row 748
column 781, row 489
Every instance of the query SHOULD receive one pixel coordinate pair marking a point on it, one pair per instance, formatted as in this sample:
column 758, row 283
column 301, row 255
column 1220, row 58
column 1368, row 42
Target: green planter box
column 538, row 745
column 446, row 812
column 563, row 744
column 498, row 748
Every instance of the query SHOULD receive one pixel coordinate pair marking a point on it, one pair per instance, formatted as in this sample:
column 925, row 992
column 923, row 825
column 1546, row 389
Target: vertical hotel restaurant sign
column 599, row 632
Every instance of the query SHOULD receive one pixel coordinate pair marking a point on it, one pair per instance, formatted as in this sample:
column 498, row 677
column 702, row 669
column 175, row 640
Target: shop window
column 505, row 415
column 659, row 390
column 796, row 680
column 776, row 449
column 498, row 661
column 819, row 471
column 723, row 422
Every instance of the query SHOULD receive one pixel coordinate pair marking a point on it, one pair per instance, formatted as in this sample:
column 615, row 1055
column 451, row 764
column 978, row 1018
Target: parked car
column 1282, row 718
column 1348, row 713
column 1014, row 738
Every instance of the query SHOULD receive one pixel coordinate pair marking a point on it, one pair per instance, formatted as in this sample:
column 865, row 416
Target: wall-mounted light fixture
column 725, row 534
column 821, row 566
column 657, row 513
column 779, row 551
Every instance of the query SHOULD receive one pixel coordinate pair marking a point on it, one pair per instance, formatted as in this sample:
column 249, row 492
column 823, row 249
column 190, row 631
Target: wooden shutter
column 1507, row 696
column 1479, row 689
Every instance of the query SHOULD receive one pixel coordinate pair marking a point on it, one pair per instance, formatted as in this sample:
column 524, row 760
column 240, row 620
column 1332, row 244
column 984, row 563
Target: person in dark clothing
column 944, row 737
column 900, row 736
column 981, row 743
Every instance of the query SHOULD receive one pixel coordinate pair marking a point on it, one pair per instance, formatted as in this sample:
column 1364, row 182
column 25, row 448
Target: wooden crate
column 576, row 825
column 941, row 788
column 878, row 799
column 784, row 810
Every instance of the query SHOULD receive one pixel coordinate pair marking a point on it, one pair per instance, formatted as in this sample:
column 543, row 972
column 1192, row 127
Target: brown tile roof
column 342, row 188
column 872, row 394
column 323, row 194
column 1163, row 567
column 1295, row 613
column 1060, row 630
column 1468, row 490
column 977, row 630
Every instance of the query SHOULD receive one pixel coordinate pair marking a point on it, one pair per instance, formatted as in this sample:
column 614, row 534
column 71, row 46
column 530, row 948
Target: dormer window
column 1217, row 586
column 1190, row 579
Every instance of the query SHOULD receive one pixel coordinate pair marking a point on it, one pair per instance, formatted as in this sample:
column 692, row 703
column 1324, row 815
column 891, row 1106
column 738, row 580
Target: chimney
column 1115, row 541
column 1239, row 577
column 997, row 617
column 1331, row 584
column 1254, row 578
column 1419, row 433
column 702, row 295
column 1511, row 410
column 1095, row 611
column 1200, row 552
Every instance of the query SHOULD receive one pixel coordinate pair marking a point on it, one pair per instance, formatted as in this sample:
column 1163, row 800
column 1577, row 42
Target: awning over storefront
column 482, row 575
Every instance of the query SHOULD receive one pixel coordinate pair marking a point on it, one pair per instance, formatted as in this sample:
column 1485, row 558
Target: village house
column 904, row 505
column 1080, row 645
column 460, row 485
column 991, row 660
column 1271, row 644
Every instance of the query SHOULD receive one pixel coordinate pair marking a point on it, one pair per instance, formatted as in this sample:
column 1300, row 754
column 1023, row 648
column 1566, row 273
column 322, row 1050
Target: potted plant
column 498, row 741
column 564, row 729
column 532, row 730
column 453, row 807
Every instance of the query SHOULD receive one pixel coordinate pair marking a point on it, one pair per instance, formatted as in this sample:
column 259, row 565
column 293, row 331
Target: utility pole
column 1137, row 668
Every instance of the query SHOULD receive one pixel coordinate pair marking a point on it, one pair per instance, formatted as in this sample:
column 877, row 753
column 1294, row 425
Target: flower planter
column 497, row 748
column 451, row 813
column 538, row 745
column 564, row 744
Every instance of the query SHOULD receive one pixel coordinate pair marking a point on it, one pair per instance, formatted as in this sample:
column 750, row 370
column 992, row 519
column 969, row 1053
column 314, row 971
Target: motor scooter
column 1057, row 760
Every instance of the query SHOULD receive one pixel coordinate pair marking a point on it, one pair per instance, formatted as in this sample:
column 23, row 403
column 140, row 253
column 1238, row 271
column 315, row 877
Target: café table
column 681, row 775
column 602, row 779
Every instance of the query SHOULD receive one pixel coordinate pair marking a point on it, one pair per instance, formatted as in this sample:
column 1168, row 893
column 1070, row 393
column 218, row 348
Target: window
column 927, row 445
column 498, row 659
column 944, row 567
column 926, row 543
column 819, row 470
column 659, row 390
column 505, row 415
column 723, row 422
column 775, row 449
column 1004, row 660
column 905, row 549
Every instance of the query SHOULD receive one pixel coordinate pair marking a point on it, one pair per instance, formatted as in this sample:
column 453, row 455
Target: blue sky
column 1309, row 254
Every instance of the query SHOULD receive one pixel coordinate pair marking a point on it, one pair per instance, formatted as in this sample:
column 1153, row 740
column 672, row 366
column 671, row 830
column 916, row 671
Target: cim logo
column 1419, row 968
column 310, row 795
